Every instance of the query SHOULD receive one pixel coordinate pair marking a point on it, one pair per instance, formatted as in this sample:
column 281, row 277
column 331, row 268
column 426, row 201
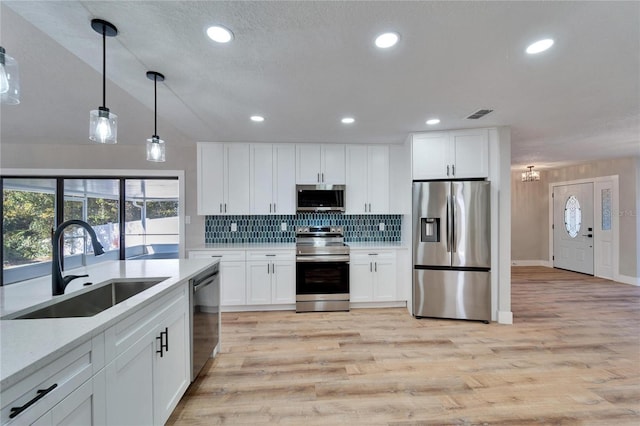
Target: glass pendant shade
column 103, row 126
column 9, row 79
column 155, row 149
column 530, row 175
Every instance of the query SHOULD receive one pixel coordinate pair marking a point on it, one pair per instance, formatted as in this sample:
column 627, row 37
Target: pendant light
column 155, row 145
column 103, row 124
column 530, row 175
column 9, row 79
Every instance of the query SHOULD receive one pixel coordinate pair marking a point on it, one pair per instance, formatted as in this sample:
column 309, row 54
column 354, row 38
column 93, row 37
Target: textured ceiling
column 305, row 64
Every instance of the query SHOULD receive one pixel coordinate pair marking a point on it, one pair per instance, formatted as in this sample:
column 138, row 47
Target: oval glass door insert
column 572, row 216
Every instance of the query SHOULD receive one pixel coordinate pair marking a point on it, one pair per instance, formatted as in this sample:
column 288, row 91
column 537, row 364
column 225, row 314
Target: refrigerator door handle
column 453, row 223
column 448, row 226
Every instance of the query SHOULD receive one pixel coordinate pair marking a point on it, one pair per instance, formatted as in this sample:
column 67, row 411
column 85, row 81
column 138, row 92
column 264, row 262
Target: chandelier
column 530, row 175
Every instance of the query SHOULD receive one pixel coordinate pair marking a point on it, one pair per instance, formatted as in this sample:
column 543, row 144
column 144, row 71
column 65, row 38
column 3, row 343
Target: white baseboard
column 546, row 263
column 505, row 317
column 625, row 279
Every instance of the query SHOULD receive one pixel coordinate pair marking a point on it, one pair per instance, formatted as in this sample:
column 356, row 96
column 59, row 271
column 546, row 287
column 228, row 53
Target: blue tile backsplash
column 267, row 229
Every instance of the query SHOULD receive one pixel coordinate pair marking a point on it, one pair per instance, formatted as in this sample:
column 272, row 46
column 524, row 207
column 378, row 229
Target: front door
column 573, row 227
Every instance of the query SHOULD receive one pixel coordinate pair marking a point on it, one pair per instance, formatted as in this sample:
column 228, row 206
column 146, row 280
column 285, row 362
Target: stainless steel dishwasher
column 205, row 317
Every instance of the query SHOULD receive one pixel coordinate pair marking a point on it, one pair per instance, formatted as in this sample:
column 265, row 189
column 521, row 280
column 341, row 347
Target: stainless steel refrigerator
column 452, row 250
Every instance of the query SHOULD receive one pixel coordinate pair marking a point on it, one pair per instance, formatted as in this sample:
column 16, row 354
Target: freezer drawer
column 452, row 294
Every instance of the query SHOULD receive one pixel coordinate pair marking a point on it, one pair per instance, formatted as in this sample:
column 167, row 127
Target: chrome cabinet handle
column 220, row 207
column 453, row 170
column 376, row 266
column 323, row 177
column 447, row 170
column 274, row 207
column 225, row 207
column 370, row 267
column 270, row 206
column 369, row 207
column 318, row 177
column 40, row 394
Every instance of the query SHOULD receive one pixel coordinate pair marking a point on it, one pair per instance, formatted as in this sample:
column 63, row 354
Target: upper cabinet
column 223, row 179
column 459, row 154
column 317, row 164
column 367, row 179
column 273, row 185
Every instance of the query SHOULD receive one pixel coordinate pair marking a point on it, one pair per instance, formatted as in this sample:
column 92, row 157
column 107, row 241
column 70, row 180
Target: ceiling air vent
column 479, row 114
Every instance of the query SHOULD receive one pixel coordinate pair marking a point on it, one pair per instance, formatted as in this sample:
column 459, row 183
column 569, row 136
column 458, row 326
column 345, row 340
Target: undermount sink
column 94, row 301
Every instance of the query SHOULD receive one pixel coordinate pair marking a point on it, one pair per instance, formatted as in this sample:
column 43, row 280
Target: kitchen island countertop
column 29, row 344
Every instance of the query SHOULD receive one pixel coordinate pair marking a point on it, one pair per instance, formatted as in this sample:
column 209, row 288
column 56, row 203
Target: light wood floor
column 572, row 356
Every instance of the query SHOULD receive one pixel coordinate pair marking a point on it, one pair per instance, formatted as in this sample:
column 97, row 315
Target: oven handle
column 327, row 258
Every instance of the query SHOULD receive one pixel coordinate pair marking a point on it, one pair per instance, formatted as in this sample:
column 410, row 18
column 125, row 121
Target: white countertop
column 292, row 246
column 29, row 344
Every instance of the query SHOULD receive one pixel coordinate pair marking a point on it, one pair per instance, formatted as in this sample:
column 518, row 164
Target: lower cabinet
column 373, row 276
column 68, row 391
column 233, row 290
column 151, row 371
column 270, row 282
column 254, row 277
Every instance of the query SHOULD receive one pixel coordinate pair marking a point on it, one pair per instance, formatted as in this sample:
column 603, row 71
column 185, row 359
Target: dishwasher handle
column 202, row 283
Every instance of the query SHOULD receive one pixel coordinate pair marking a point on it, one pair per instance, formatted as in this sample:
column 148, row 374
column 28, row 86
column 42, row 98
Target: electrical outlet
column 234, row 227
column 381, row 226
column 283, row 226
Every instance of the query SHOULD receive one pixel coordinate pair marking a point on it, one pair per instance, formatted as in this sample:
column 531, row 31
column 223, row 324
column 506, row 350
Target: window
column 31, row 205
column 606, row 209
column 572, row 216
column 28, row 217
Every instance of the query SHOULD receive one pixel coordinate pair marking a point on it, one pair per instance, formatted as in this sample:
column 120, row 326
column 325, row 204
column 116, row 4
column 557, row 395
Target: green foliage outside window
column 27, row 224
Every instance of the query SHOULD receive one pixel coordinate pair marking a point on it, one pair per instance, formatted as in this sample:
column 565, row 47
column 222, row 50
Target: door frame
column 615, row 222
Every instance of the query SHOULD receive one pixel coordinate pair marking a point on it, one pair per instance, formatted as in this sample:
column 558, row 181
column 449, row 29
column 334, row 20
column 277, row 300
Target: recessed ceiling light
column 219, row 34
column 539, row 46
column 257, row 118
column 433, row 121
column 348, row 120
column 386, row 40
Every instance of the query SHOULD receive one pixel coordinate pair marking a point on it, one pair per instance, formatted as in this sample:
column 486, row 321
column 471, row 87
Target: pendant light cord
column 155, row 104
column 104, row 66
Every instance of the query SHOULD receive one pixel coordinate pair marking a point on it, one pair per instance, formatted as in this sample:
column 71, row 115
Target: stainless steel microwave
column 320, row 198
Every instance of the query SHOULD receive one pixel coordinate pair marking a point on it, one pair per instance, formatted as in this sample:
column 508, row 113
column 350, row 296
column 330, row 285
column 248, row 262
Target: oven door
column 322, row 285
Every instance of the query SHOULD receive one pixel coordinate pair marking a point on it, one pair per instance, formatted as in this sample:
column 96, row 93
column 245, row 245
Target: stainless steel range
column 322, row 269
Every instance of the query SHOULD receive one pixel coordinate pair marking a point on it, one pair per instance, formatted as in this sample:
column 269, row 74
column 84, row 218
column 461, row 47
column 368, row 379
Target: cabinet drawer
column 367, row 255
column 226, row 256
column 134, row 327
column 271, row 255
column 62, row 376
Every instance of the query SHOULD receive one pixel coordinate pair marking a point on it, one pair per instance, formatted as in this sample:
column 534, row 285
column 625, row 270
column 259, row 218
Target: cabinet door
column 430, row 156
column 357, row 200
column 84, row 406
column 284, row 182
column 333, row 168
column 172, row 373
column 470, row 153
column 378, row 179
column 384, row 288
column 259, row 282
column 237, row 176
column 262, row 166
column 361, row 287
column 210, row 174
column 129, row 381
column 308, row 163
column 232, row 284
column 283, row 283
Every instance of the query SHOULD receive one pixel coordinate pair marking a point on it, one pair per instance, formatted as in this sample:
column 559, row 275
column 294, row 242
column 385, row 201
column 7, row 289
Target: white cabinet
column 373, row 276
column 456, row 154
column 320, row 164
column 223, row 179
column 232, row 274
column 148, row 358
column 270, row 277
column 273, row 182
column 70, row 390
column 367, row 179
